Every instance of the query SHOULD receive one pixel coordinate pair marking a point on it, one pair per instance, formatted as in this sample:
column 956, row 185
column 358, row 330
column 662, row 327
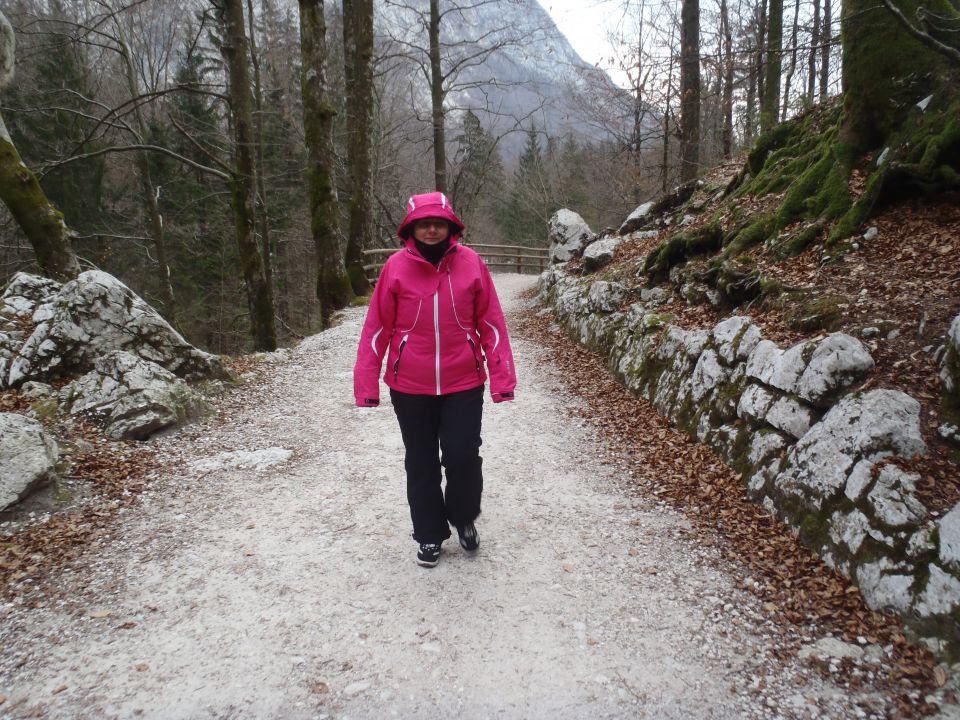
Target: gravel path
column 269, row 574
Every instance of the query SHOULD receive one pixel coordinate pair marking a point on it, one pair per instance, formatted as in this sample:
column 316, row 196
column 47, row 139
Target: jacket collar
column 410, row 250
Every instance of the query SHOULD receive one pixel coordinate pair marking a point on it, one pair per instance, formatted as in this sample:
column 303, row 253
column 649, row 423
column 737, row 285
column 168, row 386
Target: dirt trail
column 289, row 590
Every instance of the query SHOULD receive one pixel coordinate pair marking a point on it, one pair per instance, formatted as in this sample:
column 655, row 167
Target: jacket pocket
column 476, row 356
column 396, row 364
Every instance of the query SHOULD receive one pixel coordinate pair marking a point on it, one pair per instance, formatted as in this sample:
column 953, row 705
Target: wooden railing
column 519, row 258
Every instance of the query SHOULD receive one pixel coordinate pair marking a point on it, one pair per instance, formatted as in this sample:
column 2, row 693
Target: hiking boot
column 469, row 540
column 428, row 555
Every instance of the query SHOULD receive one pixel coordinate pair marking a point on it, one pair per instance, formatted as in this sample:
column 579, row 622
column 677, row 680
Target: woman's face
column 431, row 231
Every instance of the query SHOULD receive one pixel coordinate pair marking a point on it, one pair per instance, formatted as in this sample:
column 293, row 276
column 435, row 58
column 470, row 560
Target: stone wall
column 809, row 448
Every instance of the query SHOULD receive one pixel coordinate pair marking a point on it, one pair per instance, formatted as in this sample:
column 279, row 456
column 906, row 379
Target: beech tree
column 770, row 104
column 40, row 221
column 689, row 89
column 333, row 284
column 358, row 72
column 259, row 292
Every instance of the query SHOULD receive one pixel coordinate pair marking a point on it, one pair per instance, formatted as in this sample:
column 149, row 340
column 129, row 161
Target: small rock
column 871, row 233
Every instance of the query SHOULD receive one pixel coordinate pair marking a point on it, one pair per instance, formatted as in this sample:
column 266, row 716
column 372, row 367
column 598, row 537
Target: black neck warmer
column 433, row 253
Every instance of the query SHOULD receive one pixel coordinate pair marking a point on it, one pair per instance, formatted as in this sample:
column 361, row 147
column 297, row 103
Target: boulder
column 637, row 219
column 568, row 233
column 941, row 595
column 28, row 457
column 93, row 315
column 735, row 338
column 606, row 296
column 950, row 367
column 131, row 397
column 600, row 253
column 869, row 427
column 24, row 292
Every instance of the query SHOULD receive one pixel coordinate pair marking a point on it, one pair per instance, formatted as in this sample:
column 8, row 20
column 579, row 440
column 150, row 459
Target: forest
column 231, row 161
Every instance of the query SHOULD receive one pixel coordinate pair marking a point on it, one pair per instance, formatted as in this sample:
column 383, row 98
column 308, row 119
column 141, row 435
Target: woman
column 433, row 310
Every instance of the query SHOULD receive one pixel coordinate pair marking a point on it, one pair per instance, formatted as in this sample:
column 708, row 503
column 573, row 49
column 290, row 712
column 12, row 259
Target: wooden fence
column 517, row 258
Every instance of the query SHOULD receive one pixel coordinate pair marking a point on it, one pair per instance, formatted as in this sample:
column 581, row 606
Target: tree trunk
column 770, row 107
column 40, row 221
column 689, row 89
column 259, row 297
column 885, row 70
column 333, row 285
column 726, row 135
column 826, row 37
column 665, row 166
column 261, row 208
column 150, row 193
column 812, row 58
column 436, row 98
column 793, row 61
column 358, row 67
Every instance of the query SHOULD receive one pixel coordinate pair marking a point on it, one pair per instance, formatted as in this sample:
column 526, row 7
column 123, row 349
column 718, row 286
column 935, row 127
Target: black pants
column 431, row 425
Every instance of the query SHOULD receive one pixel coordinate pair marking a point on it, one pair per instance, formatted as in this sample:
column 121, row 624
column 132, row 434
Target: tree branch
column 136, row 148
column 950, row 52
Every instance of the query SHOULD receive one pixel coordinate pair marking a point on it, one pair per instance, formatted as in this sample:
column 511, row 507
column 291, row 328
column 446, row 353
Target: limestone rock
column 885, row 585
column 95, row 314
column 849, row 530
column 790, row 416
column 707, row 375
column 868, row 426
column 637, row 219
column 893, row 498
column 131, row 397
column 600, row 253
column 941, row 595
column 606, row 296
column 950, row 367
column 830, row 648
column 838, row 362
column 754, row 403
column 763, row 361
column 28, row 457
column 24, row 292
column 735, row 338
column 950, row 537
column 568, row 233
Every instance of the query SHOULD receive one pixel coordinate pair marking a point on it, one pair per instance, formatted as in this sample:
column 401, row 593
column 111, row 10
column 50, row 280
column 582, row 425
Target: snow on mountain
column 515, row 66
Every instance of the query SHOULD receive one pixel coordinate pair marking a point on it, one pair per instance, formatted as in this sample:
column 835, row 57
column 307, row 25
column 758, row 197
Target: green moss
column 797, row 242
column 45, row 408
column 754, row 234
column 680, row 248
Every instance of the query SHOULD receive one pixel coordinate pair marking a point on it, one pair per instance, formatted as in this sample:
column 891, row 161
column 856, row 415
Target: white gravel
column 255, row 583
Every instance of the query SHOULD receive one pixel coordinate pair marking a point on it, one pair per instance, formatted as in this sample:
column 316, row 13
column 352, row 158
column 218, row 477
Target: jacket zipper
column 396, row 365
column 473, row 347
column 436, row 330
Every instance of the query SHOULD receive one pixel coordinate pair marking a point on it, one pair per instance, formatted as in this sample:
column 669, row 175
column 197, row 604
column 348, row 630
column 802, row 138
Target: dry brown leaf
column 320, row 687
column 633, row 552
column 141, row 667
column 100, row 613
column 59, row 689
column 567, row 567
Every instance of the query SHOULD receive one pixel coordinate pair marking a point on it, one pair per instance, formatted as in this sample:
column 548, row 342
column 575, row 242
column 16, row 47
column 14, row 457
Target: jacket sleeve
column 494, row 339
column 374, row 341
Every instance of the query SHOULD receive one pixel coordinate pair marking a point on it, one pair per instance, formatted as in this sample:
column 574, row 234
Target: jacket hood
column 430, row 205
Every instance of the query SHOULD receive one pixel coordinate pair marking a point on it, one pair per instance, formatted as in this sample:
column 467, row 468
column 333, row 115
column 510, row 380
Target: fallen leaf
column 248, row 553
column 633, row 552
column 592, row 641
column 141, row 667
column 251, row 526
column 3, row 699
column 58, row 690
column 939, row 676
column 129, row 625
column 100, row 613
column 567, row 567
column 320, row 687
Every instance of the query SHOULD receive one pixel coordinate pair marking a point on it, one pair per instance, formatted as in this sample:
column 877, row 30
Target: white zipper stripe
column 416, row 317
column 495, row 332
column 454, row 304
column 436, row 328
column 373, row 343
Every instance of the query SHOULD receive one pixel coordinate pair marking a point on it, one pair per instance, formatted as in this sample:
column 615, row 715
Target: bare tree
column 333, row 284
column 770, row 105
column 259, row 293
column 726, row 135
column 358, row 72
column 689, row 89
column 40, row 221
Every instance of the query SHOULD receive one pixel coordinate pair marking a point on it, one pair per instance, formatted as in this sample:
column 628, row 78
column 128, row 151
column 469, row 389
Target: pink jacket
column 432, row 323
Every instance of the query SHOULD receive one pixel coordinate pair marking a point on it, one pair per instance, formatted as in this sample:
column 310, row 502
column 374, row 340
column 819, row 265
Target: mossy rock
column 809, row 313
column 679, row 249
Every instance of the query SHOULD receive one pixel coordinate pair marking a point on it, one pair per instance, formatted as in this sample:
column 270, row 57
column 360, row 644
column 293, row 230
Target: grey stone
column 949, row 531
column 24, row 292
column 763, row 361
column 606, row 296
column 871, row 232
column 600, row 253
column 28, row 457
column 654, row 296
column 754, row 403
column 885, row 585
column 707, row 375
column 735, row 338
column 849, row 530
column 95, row 314
column 789, row 366
column 921, row 542
column 131, row 397
column 765, row 446
column 859, row 479
column 950, row 364
column 36, row 390
column 829, row 648
column 567, row 233
column 893, row 498
column 941, row 595
column 872, row 425
column 790, row 416
column 838, row 362
column 637, row 219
